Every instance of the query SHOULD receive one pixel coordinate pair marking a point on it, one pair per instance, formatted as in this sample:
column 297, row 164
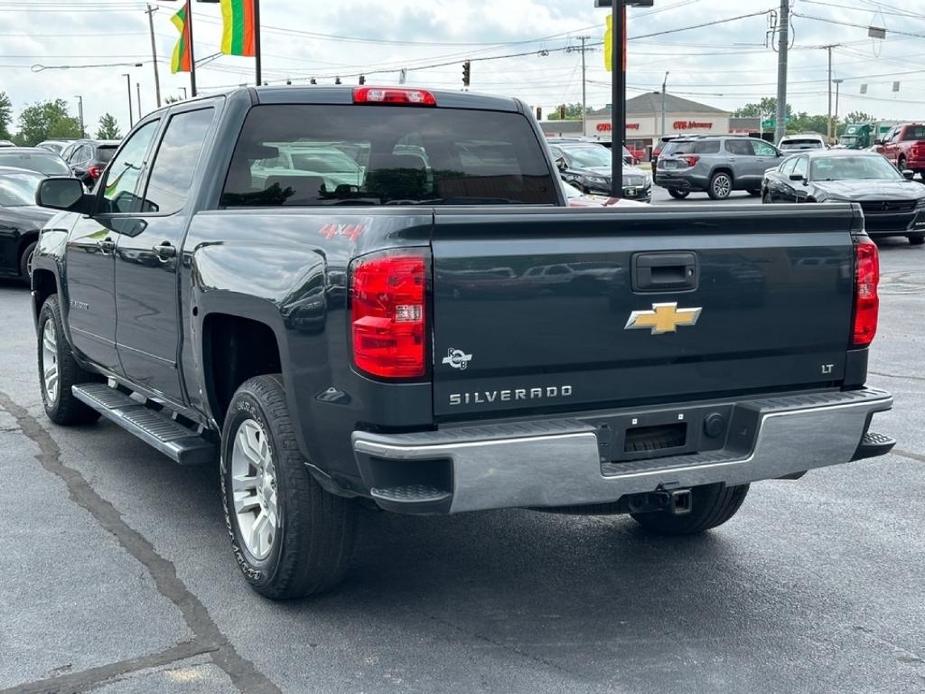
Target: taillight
column 866, row 301
column 393, row 95
column 388, row 294
column 691, row 159
column 94, row 171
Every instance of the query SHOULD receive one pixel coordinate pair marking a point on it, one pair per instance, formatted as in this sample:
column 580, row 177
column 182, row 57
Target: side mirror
column 797, row 177
column 62, row 193
column 908, row 174
column 561, row 164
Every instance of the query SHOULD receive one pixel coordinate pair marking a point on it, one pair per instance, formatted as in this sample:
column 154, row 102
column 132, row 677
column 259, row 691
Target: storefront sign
column 691, row 125
column 607, row 127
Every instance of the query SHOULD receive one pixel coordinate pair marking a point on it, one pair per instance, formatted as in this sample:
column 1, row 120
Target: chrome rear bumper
column 557, row 462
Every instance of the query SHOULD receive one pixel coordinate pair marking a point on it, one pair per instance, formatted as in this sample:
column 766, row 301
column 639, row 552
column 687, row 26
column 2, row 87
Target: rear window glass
column 915, row 132
column 41, row 161
column 311, row 155
column 104, row 154
column 692, row 147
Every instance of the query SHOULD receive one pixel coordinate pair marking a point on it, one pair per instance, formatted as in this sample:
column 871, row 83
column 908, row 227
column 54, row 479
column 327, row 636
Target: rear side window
column 316, row 155
column 104, row 154
column 706, row 147
column 801, row 166
column 740, row 147
column 915, row 132
column 176, row 160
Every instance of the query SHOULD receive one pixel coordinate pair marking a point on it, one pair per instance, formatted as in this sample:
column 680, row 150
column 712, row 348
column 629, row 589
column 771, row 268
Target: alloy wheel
column 722, row 186
column 254, row 489
column 50, row 361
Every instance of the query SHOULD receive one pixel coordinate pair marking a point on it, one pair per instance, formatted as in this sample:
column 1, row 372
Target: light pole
column 664, row 85
column 618, row 86
column 80, row 114
column 128, row 84
column 138, row 100
column 184, row 93
column 837, row 85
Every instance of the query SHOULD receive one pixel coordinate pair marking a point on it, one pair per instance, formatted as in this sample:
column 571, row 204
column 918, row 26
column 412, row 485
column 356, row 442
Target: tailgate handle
column 657, row 272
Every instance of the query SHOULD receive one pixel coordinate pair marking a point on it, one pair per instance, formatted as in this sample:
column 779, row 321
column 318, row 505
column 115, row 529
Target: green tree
column 47, row 120
column 6, row 116
column 860, row 117
column 766, row 108
column 572, row 112
column 804, row 123
column 109, row 128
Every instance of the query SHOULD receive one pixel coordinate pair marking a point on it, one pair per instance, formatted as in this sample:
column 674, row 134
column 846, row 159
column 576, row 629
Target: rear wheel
column 711, row 506
column 58, row 370
column 289, row 536
column 678, row 194
column 917, row 240
column 720, row 186
column 901, row 164
column 25, row 263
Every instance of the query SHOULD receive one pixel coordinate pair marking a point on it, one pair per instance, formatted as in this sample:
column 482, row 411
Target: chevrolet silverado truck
column 403, row 312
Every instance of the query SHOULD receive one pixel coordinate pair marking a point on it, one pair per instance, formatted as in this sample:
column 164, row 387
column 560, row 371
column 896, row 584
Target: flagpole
column 257, row 39
column 192, row 56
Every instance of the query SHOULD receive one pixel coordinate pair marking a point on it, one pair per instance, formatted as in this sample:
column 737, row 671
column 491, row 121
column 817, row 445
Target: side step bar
column 179, row 443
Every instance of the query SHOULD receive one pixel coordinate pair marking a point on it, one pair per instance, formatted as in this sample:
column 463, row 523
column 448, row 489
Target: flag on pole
column 238, row 32
column 180, row 62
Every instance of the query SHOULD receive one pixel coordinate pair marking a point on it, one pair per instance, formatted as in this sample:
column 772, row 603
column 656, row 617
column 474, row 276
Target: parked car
column 904, row 146
column 20, row 221
column 56, row 146
column 802, row 141
column 34, row 159
column 575, row 198
column 659, row 148
column 893, row 204
column 628, row 158
column 715, row 165
column 587, row 166
column 7, row 143
column 317, row 349
column 88, row 158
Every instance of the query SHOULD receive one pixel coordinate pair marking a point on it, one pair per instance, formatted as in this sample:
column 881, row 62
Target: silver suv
column 715, row 165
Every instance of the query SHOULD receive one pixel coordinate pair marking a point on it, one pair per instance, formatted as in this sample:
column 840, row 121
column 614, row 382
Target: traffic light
column 337, row 80
column 539, row 113
column 467, row 73
column 313, row 81
column 562, row 112
column 362, row 79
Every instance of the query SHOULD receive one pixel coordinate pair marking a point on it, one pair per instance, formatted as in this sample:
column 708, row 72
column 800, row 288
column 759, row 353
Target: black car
column 34, row 159
column 88, row 158
column 893, row 204
column 587, row 166
column 20, row 221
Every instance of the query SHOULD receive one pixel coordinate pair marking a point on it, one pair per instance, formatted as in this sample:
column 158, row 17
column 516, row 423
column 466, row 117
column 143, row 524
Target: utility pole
column 829, row 121
column 837, row 85
column 664, row 86
column 783, row 39
column 157, row 79
column 80, row 115
column 584, row 89
column 192, row 56
column 128, row 84
column 138, row 100
column 256, row 41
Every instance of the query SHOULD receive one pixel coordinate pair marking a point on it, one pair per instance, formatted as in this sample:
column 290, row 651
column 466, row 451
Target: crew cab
column 445, row 335
column 904, row 146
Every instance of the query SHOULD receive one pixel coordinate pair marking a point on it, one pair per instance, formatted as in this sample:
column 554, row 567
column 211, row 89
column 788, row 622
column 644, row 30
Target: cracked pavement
column 117, row 574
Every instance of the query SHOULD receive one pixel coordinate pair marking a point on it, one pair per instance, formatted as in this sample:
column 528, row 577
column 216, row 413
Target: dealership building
column 644, row 118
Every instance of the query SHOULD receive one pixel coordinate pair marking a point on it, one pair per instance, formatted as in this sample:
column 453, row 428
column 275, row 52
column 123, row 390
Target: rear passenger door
column 148, row 256
column 744, row 166
column 766, row 157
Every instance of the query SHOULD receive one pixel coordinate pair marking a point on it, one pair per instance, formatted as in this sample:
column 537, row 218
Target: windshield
column 309, row 155
column 589, row 157
column 18, row 189
column 43, row 162
column 853, row 168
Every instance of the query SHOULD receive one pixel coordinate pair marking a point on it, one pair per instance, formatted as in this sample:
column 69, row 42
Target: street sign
column 772, row 123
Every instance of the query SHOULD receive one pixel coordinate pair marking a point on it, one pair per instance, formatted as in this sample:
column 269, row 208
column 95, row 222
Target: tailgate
column 579, row 309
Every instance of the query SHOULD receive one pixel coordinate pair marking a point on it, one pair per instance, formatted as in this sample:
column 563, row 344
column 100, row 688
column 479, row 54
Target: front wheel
column 678, row 194
column 720, row 186
column 290, row 538
column 917, row 240
column 711, row 506
column 58, row 370
column 766, row 197
column 25, row 263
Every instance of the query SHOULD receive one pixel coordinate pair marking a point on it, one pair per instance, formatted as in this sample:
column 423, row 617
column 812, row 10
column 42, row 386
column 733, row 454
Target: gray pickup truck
column 379, row 296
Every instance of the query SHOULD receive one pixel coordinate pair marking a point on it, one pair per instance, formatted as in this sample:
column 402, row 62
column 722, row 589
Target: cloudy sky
column 725, row 65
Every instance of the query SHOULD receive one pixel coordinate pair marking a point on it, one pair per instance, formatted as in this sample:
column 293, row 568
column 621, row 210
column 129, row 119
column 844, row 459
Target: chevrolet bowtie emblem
column 663, row 318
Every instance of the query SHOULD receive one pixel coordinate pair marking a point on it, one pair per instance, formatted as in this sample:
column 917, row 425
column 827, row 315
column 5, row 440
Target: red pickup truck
column 904, row 146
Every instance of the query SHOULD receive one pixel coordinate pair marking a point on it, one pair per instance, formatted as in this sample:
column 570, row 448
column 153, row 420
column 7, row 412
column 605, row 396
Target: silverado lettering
column 489, row 396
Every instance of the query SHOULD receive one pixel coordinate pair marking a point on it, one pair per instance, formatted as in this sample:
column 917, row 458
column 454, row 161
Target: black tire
column 901, row 163
column 313, row 540
column 766, row 198
column 711, row 506
column 678, row 194
column 25, row 263
column 917, row 240
column 62, row 407
column 754, row 192
column 720, row 186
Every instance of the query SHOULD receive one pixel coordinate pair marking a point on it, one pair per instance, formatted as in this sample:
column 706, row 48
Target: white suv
column 802, row 141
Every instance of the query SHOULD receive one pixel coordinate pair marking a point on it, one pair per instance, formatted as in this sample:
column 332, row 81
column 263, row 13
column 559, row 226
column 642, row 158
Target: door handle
column 663, row 272
column 165, row 251
column 106, row 246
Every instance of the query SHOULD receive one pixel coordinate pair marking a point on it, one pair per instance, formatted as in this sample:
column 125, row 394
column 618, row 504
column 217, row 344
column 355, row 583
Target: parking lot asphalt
column 117, row 574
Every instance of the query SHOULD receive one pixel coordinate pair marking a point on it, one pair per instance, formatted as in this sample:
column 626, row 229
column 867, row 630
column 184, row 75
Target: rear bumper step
column 558, row 462
column 177, row 442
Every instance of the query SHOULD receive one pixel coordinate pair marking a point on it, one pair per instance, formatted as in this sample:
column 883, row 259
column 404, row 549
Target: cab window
column 122, row 175
column 176, row 161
